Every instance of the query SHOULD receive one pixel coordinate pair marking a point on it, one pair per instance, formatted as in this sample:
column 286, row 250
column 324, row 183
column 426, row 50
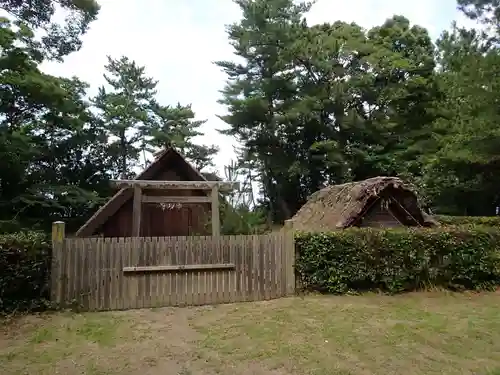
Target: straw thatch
column 342, row 206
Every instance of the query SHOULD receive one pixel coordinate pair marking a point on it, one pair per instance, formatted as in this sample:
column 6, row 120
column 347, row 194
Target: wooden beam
column 171, row 199
column 186, row 267
column 136, row 212
column 176, row 185
column 215, row 212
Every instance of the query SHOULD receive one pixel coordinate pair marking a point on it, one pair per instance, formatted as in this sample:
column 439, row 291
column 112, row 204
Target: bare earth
column 420, row 333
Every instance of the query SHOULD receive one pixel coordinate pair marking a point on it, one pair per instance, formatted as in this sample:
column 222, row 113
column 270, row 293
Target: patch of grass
column 93, row 369
column 42, row 334
column 419, row 333
column 99, row 331
column 48, row 341
column 428, row 333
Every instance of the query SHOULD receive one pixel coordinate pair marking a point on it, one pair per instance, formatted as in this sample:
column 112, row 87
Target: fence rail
column 125, row 273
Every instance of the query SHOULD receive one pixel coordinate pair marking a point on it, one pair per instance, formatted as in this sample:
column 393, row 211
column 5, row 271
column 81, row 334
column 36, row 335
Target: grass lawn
column 418, row 333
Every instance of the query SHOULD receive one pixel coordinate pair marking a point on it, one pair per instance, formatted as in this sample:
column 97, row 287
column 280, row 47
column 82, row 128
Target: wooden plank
column 200, row 276
column 136, row 212
column 272, row 251
column 107, row 270
column 175, row 185
column 208, row 257
column 188, row 250
column 228, row 275
column 101, row 274
column 69, row 271
column 279, row 267
column 141, row 277
column 180, row 250
column 159, row 278
column 252, row 260
column 58, row 234
column 127, row 287
column 147, row 277
column 167, row 247
column 85, row 280
column 180, row 267
column 201, row 258
column 213, row 275
column 118, row 276
column 96, row 274
column 174, row 262
column 266, row 255
column 215, row 212
column 243, row 248
column 134, row 282
column 175, row 199
column 233, row 275
column 289, row 250
column 261, row 268
column 90, row 249
column 220, row 275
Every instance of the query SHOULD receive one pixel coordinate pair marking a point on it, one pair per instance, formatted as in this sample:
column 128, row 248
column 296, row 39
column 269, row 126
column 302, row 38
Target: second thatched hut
column 381, row 202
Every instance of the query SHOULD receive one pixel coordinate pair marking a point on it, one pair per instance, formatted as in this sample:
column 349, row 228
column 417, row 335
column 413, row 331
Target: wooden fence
column 125, row 273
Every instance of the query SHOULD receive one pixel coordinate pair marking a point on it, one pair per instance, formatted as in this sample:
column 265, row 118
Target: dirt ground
column 147, row 342
column 421, row 333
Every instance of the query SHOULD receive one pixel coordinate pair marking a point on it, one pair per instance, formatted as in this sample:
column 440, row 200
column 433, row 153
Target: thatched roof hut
column 375, row 202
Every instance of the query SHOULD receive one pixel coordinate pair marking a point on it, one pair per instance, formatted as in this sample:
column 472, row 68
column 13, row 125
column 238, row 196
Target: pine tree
column 257, row 91
column 177, row 127
column 125, row 108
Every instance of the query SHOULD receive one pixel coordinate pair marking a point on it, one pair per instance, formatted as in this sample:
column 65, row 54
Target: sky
column 178, row 41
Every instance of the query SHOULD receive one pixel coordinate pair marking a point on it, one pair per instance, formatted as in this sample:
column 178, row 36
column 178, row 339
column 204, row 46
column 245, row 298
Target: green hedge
column 357, row 260
column 24, row 271
column 489, row 221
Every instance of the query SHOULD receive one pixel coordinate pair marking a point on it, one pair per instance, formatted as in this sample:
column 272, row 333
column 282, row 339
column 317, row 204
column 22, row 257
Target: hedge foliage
column 489, row 221
column 394, row 261
column 24, row 271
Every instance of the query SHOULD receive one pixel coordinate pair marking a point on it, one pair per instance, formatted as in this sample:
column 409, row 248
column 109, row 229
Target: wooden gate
column 125, row 273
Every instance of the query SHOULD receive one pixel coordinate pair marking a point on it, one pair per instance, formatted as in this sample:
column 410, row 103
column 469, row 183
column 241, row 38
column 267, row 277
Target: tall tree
column 59, row 39
column 51, row 165
column 462, row 176
column 485, row 11
column 327, row 103
column 176, row 126
column 257, row 89
column 401, row 95
column 125, row 107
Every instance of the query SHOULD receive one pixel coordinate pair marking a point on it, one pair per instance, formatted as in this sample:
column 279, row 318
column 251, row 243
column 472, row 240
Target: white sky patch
column 178, row 41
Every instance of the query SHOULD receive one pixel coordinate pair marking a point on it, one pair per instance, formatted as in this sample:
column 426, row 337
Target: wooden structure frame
column 139, row 185
column 168, row 181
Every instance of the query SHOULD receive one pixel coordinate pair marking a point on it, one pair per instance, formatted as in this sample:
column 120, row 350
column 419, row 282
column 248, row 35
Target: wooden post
column 58, row 235
column 58, row 231
column 136, row 212
column 215, row 211
column 292, row 282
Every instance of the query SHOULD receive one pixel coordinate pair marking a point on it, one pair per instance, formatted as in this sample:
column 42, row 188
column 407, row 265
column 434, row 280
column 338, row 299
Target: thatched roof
column 168, row 158
column 341, row 206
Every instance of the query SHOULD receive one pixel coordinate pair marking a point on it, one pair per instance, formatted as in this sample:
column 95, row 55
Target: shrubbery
column 24, row 271
column 398, row 260
column 489, row 221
